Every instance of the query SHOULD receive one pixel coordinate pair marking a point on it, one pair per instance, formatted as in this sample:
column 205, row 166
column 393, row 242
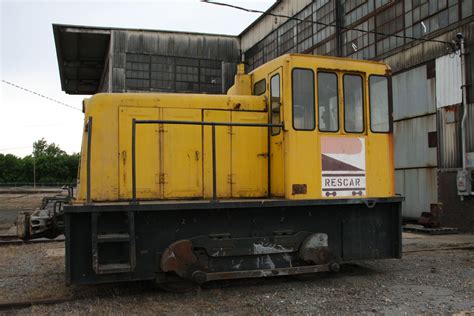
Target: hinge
column 161, row 129
column 162, row 178
column 230, row 131
column 230, row 178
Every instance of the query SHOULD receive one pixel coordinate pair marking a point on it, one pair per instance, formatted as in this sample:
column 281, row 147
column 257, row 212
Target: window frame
column 293, row 99
column 279, row 106
column 337, row 101
column 390, row 104
column 264, row 87
column 363, row 102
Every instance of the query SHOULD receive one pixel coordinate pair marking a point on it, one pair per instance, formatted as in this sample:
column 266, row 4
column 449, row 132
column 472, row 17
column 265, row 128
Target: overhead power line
column 324, row 24
column 41, row 95
column 12, row 148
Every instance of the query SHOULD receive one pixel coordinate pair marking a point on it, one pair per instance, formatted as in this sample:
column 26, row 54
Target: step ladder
column 113, row 242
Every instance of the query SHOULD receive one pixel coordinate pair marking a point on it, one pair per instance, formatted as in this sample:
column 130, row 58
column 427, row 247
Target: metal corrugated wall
column 449, row 136
column 413, row 94
column 411, row 143
column 414, row 113
column 419, row 187
column 172, row 61
column 450, row 111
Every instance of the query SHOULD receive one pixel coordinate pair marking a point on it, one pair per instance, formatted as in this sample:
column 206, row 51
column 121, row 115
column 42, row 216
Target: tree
column 52, row 164
column 11, row 168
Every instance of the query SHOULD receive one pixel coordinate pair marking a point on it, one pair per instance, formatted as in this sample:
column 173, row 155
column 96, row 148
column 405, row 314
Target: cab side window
column 353, row 104
column 275, row 102
column 260, row 87
column 303, row 99
column 379, row 104
column 328, row 105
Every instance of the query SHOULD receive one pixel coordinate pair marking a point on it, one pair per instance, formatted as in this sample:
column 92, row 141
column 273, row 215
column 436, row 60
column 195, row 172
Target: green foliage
column 52, row 164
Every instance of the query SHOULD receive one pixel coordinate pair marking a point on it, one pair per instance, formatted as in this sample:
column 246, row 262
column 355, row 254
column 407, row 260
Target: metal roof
column 81, row 53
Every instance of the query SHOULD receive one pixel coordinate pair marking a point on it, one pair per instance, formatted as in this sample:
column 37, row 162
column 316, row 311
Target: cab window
column 379, row 104
column 353, row 104
column 275, row 103
column 303, row 99
column 328, row 109
column 260, row 87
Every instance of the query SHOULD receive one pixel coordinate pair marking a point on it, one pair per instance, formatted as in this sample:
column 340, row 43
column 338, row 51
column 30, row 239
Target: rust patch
column 178, row 257
column 299, row 189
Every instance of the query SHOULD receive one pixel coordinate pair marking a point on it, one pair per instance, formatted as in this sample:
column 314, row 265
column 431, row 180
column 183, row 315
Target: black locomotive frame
column 100, row 234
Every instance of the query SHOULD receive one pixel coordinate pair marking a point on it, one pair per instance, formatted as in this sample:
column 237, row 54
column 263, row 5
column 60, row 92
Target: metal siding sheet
column 118, row 60
column 118, row 80
column 120, row 41
column 183, row 45
column 419, row 187
column 448, row 80
column 449, row 136
column 144, row 44
column 228, row 73
column 411, row 142
column 150, row 43
column 413, row 94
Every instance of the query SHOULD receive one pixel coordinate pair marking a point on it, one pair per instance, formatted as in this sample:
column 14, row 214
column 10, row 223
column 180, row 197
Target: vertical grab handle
column 88, row 166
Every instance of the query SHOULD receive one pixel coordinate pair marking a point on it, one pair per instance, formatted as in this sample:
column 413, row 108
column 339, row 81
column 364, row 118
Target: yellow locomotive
column 289, row 173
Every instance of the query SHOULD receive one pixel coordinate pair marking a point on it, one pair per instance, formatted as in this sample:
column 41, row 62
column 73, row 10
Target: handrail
column 88, row 166
column 136, row 122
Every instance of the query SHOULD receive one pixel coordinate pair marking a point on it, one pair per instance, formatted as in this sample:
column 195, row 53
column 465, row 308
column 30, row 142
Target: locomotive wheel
column 183, row 286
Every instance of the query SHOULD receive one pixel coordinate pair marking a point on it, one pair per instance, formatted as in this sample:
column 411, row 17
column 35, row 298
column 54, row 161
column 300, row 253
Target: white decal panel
column 343, row 167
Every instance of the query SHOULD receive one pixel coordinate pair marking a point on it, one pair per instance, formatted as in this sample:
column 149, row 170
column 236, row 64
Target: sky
column 28, row 57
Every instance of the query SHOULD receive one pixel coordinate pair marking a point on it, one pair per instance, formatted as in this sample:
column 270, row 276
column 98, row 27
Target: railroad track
column 6, row 240
column 29, row 303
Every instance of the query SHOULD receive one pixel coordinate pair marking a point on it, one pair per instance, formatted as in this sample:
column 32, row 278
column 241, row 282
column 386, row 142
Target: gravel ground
column 428, row 280
column 423, row 282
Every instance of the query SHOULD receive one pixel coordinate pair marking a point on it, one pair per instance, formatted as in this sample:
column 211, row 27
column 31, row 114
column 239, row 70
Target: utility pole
column 463, row 178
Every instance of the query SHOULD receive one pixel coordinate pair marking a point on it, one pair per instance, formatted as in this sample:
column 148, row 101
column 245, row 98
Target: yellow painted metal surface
column 223, row 154
column 182, row 155
column 175, row 161
column 277, row 148
column 147, row 153
column 249, row 156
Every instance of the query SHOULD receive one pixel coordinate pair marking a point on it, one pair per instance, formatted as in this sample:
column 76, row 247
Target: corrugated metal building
column 426, row 82
column 95, row 60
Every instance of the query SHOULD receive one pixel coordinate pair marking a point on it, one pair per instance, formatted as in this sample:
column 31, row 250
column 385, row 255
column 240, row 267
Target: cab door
column 181, row 160
column 249, row 156
column 147, row 153
column 275, row 106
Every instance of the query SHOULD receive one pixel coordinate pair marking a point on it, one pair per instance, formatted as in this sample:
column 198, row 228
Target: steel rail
column 30, row 303
column 9, row 240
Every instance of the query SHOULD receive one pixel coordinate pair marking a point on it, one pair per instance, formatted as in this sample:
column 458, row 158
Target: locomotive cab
column 336, row 141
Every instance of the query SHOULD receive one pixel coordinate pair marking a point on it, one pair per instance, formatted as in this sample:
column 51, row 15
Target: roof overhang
column 82, row 55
